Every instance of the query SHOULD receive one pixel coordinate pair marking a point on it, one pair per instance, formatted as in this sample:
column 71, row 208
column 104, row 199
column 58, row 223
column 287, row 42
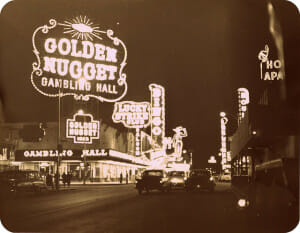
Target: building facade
column 265, row 155
column 103, row 160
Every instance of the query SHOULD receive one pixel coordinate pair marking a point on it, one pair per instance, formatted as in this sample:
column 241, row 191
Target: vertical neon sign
column 157, row 114
column 244, row 100
column 224, row 121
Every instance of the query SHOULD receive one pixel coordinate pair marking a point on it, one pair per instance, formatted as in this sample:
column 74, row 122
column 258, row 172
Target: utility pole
column 59, row 146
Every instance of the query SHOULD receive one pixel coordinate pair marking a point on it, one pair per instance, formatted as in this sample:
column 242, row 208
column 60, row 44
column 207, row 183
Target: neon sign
column 272, row 69
column 132, row 114
column 223, row 149
column 243, row 100
column 157, row 113
column 180, row 133
column 212, row 159
column 82, row 128
column 96, row 152
column 76, row 58
column 46, row 153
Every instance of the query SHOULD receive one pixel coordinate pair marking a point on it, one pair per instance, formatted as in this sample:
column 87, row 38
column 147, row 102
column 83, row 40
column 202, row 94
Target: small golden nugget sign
column 82, row 128
column 76, row 58
column 132, row 114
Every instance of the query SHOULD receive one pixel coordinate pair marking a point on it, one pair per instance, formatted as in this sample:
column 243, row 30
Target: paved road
column 118, row 208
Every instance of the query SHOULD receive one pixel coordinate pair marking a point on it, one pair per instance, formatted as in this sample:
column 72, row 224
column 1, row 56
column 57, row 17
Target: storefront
column 99, row 165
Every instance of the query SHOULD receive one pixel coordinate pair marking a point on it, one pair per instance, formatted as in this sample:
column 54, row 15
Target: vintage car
column 225, row 177
column 154, row 179
column 17, row 181
column 200, row 179
column 176, row 180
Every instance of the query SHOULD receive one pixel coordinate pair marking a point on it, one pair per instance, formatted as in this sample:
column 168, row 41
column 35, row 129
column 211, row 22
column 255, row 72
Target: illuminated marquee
column 157, row 113
column 47, row 153
column 82, row 128
column 273, row 69
column 132, row 114
column 43, row 155
column 96, row 152
column 76, row 58
column 244, row 100
column 78, row 155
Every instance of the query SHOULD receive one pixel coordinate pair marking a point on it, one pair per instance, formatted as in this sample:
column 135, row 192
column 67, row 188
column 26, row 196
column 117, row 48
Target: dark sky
column 200, row 51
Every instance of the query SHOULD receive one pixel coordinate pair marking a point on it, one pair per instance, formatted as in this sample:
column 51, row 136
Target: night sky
column 200, row 52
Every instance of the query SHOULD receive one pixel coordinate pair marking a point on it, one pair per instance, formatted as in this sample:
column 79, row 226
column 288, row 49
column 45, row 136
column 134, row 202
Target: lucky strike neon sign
column 76, row 58
column 82, row 128
column 132, row 114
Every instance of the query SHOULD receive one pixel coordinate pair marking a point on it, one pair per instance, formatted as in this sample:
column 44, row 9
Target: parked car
column 16, row 181
column 200, row 179
column 154, row 179
column 225, row 177
column 176, row 180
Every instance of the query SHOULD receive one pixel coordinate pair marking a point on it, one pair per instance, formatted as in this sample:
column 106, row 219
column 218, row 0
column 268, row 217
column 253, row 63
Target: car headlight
column 176, row 180
column 211, row 178
column 163, row 180
column 242, row 203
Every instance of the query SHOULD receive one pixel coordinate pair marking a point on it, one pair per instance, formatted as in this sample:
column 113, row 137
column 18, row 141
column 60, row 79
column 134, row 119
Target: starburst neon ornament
column 82, row 28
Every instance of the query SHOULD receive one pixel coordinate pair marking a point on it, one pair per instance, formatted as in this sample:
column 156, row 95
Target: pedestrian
column 126, row 177
column 69, row 177
column 56, row 177
column 121, row 177
column 49, row 180
column 64, row 179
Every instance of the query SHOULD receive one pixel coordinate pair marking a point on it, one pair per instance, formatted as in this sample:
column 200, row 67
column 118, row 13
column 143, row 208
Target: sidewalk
column 79, row 184
column 88, row 182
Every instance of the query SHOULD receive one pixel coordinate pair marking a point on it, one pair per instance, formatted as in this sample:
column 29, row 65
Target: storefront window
column 75, row 170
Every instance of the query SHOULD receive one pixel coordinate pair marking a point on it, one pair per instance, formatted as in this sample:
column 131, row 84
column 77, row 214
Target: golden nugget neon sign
column 82, row 128
column 76, row 58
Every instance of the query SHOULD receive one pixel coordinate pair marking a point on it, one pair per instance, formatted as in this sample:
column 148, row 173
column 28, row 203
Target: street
column 118, row 208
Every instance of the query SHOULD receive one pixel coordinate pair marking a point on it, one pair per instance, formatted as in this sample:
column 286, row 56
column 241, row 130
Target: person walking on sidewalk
column 56, row 177
column 121, row 177
column 64, row 178
column 49, row 181
column 68, row 178
column 126, row 177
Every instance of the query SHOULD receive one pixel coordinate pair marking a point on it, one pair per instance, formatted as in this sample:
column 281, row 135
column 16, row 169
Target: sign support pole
column 59, row 146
